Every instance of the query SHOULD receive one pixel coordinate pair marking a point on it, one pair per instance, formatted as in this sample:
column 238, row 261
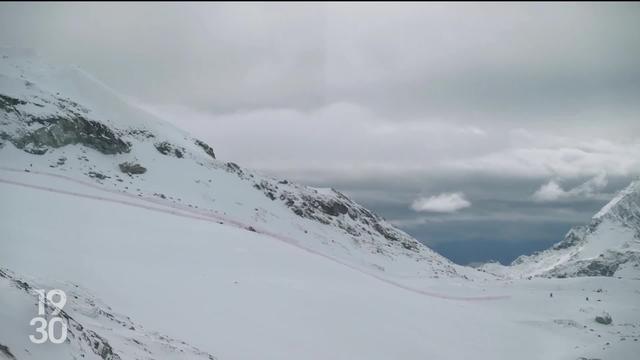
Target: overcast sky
column 485, row 130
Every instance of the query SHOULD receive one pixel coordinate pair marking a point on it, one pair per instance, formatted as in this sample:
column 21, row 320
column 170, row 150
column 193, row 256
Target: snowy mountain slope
column 241, row 265
column 60, row 120
column 608, row 246
column 240, row 294
column 95, row 331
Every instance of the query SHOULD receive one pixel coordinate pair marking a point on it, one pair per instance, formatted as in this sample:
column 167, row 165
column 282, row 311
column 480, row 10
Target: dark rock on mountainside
column 332, row 207
column 97, row 175
column 207, row 149
column 573, row 238
column 234, row 168
column 606, row 264
column 69, row 127
column 140, row 133
column 61, row 131
column 337, row 210
column 132, row 168
column 4, row 350
column 7, row 103
column 604, row 319
column 166, row 148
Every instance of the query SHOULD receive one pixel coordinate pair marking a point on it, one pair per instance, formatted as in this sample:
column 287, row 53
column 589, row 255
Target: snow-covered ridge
column 95, row 331
column 608, row 246
column 625, row 206
column 60, row 120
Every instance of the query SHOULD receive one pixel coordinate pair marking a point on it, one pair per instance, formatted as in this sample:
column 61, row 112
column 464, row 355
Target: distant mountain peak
column 609, row 245
column 625, row 206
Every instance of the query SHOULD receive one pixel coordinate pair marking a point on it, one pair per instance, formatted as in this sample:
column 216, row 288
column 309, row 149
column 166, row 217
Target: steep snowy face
column 95, row 331
column 57, row 122
column 624, row 208
column 608, row 246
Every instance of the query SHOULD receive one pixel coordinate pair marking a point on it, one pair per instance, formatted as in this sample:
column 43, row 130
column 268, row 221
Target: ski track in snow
column 187, row 212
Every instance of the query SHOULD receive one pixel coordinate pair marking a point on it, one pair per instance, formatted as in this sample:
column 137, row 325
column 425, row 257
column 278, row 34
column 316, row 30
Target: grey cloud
column 215, row 56
column 486, row 62
column 552, row 191
column 387, row 102
column 348, row 140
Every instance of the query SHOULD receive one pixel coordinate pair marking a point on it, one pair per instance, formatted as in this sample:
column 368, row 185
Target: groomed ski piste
column 153, row 204
column 240, row 294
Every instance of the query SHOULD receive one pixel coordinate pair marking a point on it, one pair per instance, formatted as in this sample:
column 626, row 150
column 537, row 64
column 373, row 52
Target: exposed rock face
column 166, row 148
column 4, row 350
column 333, row 209
column 7, row 103
column 574, row 237
column 604, row 319
column 70, row 126
column 58, row 132
column 97, row 175
column 132, row 168
column 207, row 149
column 606, row 264
column 234, row 168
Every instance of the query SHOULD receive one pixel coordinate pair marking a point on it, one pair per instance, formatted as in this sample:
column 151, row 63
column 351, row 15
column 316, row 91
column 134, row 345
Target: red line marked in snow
column 186, row 212
column 102, row 198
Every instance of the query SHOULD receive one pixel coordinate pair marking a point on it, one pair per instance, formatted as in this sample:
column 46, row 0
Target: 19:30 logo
column 46, row 330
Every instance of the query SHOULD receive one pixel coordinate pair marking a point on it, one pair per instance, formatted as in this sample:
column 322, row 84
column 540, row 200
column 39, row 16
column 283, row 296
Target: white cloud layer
column 442, row 203
column 552, row 191
column 348, row 140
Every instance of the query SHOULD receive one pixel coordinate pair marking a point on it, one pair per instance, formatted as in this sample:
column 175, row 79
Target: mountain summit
column 608, row 246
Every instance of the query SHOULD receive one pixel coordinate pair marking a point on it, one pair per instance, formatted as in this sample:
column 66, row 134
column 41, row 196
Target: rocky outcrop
column 166, row 148
column 60, row 131
column 8, row 103
column 132, row 168
column 234, row 168
column 4, row 350
column 38, row 134
column 604, row 319
column 574, row 237
column 606, row 264
column 333, row 208
column 207, row 149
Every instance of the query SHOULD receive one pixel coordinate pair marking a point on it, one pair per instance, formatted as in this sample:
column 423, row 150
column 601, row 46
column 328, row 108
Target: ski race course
column 186, row 212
